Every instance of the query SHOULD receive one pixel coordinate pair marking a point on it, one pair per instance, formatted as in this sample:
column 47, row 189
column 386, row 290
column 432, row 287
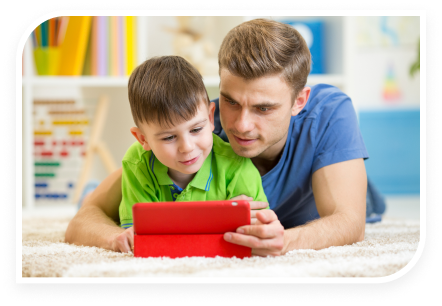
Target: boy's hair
column 262, row 47
column 165, row 90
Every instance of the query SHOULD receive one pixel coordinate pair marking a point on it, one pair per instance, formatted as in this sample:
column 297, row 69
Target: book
column 94, row 46
column 62, row 29
column 120, row 39
column 87, row 67
column 73, row 47
column 113, row 45
column 130, row 29
column 102, row 45
column 44, row 34
column 51, row 32
column 86, row 45
column 37, row 32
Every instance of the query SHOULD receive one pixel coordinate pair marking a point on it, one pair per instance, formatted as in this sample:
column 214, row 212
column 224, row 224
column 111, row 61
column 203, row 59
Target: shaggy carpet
column 388, row 247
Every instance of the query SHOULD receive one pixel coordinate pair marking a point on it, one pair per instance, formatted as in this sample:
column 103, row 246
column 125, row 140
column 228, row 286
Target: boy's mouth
column 190, row 161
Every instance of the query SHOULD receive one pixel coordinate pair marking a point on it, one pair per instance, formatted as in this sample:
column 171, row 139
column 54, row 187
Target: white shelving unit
column 338, row 54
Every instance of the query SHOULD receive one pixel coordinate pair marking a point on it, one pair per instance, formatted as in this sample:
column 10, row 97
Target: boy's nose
column 186, row 146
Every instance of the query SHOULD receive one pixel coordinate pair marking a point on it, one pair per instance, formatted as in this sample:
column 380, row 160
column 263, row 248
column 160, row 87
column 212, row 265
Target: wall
column 387, row 98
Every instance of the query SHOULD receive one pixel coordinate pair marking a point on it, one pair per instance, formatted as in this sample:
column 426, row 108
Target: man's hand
column 254, row 206
column 265, row 236
column 124, row 242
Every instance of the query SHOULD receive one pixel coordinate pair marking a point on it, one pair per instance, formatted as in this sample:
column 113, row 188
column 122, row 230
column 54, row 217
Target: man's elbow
column 74, row 226
column 360, row 231
column 69, row 235
column 361, row 237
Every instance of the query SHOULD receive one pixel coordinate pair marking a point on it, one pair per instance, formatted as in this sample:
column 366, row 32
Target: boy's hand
column 124, row 242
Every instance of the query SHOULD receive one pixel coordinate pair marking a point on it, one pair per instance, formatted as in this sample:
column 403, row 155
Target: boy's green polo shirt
column 222, row 176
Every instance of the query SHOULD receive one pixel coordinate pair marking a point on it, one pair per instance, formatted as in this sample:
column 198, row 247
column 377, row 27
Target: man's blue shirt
column 325, row 132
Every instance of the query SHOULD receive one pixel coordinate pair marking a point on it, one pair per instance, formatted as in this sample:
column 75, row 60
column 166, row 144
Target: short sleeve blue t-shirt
column 325, row 132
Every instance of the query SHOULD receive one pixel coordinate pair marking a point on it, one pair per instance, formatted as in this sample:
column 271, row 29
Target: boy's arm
column 136, row 187
column 95, row 224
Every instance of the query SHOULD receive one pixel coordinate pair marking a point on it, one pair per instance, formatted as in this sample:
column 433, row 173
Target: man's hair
column 263, row 47
column 165, row 90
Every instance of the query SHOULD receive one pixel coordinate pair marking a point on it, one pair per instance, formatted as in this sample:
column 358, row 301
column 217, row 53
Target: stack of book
column 86, row 45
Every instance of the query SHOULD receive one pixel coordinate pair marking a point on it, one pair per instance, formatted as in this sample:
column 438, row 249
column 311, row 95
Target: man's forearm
column 334, row 230
column 92, row 227
column 340, row 195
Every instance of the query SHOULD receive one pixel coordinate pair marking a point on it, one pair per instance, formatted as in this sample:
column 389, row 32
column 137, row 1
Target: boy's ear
column 212, row 107
column 301, row 101
column 140, row 137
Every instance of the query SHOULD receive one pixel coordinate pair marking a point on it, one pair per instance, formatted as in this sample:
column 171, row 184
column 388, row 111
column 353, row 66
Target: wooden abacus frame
column 95, row 146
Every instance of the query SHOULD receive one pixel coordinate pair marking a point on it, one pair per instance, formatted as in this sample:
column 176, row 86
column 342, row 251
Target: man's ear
column 301, row 101
column 212, row 107
column 138, row 134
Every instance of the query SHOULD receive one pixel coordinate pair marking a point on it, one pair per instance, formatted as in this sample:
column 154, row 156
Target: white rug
column 388, row 247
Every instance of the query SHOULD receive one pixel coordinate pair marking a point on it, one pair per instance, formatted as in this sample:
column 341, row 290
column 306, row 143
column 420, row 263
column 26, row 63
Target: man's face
column 255, row 114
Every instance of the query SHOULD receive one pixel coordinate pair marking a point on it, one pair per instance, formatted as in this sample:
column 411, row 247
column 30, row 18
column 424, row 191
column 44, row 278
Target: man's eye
column 263, row 109
column 231, row 102
column 197, row 130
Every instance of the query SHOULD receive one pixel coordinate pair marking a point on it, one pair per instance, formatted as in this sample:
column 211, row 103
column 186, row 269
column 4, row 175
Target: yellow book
column 87, row 65
column 130, row 44
column 73, row 47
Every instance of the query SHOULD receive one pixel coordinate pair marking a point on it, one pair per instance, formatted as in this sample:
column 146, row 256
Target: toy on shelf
column 65, row 141
column 191, row 41
column 313, row 33
column 58, row 153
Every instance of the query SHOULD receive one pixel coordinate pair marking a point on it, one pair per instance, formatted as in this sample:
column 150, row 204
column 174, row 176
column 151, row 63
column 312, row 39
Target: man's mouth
column 244, row 141
column 190, row 161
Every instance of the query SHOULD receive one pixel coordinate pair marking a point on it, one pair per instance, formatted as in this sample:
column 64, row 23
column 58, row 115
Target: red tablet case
column 180, row 229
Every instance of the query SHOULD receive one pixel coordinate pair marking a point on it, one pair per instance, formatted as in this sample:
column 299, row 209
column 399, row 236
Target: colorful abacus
column 60, row 138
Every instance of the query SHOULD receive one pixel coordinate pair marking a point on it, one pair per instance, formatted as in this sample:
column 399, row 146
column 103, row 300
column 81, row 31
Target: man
column 304, row 141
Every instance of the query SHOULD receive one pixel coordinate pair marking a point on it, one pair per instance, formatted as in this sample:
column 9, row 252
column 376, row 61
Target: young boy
column 176, row 156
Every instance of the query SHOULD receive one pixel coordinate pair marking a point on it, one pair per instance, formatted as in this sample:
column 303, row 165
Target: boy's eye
column 197, row 130
column 169, row 138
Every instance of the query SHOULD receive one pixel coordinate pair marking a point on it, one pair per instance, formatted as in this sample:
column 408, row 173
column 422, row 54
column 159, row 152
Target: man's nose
column 244, row 122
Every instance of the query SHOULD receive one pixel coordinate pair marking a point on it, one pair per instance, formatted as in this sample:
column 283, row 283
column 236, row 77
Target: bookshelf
column 151, row 42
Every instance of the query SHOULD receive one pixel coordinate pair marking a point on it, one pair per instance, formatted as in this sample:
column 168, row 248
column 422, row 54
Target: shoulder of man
column 324, row 98
column 218, row 128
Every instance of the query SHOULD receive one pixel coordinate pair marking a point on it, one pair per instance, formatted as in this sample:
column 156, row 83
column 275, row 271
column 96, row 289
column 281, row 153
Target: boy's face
column 184, row 146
